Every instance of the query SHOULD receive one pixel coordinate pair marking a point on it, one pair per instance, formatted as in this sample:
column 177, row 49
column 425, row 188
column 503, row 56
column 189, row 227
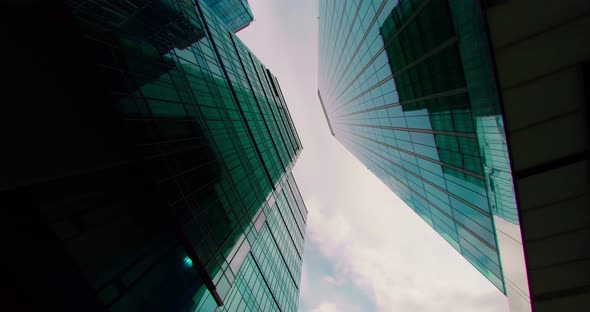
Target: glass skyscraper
column 153, row 170
column 235, row 14
column 409, row 88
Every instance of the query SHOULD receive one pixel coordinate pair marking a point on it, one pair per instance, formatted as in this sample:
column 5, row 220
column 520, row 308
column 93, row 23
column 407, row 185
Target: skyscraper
column 235, row 14
column 409, row 88
column 150, row 168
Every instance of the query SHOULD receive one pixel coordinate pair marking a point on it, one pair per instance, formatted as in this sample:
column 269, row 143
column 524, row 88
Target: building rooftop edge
column 325, row 113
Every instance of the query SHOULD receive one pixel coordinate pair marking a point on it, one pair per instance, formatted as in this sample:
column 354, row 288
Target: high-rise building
column 150, row 166
column 235, row 14
column 409, row 87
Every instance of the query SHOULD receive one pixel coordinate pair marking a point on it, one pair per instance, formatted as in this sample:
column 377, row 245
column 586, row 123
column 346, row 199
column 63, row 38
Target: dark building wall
column 165, row 155
column 541, row 52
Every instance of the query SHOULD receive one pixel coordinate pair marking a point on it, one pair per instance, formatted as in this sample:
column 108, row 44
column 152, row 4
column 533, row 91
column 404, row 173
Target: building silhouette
column 150, row 163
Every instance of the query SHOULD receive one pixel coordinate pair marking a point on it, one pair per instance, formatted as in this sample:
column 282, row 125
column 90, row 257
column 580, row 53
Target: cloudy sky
column 365, row 249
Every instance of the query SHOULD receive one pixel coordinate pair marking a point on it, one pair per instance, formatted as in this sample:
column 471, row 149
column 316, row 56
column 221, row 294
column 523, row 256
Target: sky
column 365, row 249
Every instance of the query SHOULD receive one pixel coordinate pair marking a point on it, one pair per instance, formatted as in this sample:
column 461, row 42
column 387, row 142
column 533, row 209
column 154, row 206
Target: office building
column 150, row 166
column 410, row 89
column 235, row 14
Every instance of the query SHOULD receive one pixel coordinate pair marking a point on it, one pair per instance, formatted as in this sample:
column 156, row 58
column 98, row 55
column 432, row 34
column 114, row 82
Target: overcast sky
column 365, row 249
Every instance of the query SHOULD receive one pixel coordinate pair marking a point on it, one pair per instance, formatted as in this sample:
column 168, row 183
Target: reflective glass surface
column 408, row 87
column 202, row 212
column 236, row 14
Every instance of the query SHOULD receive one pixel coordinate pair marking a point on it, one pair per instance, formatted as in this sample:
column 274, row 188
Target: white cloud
column 402, row 265
column 387, row 251
column 326, row 307
column 334, row 281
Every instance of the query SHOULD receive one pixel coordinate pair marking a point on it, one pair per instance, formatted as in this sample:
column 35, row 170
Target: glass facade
column 235, row 14
column 195, row 208
column 408, row 87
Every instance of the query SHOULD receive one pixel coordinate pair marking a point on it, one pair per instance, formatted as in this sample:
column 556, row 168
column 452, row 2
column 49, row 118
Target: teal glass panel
column 408, row 87
column 235, row 14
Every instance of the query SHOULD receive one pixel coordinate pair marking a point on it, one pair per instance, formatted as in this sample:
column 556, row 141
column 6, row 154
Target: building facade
column 235, row 14
column 409, row 88
column 153, row 172
column 542, row 59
